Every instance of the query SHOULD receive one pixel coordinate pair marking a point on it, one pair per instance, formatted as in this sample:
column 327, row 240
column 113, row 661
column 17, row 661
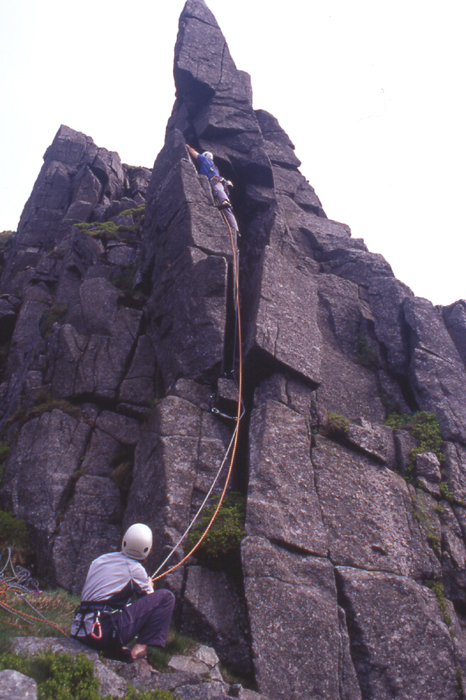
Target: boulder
column 110, row 682
column 16, row 686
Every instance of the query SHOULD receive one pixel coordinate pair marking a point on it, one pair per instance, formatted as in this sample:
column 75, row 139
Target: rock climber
column 219, row 184
column 106, row 619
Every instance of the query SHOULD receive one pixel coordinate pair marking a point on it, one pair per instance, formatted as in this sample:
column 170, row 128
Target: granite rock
column 395, row 647
column 16, row 686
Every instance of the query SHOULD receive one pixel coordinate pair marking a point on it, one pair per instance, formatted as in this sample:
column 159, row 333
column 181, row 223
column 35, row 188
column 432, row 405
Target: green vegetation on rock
column 44, row 403
column 425, row 428
column 110, row 231
column 136, row 212
column 336, row 425
column 437, row 587
column 66, row 677
column 225, row 535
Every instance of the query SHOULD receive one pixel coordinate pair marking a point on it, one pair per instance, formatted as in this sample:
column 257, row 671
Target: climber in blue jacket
column 219, row 184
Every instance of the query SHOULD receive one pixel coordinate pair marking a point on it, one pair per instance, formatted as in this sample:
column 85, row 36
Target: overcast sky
column 371, row 92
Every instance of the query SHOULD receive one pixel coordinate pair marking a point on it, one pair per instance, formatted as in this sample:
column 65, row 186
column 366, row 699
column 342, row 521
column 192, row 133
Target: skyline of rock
column 117, row 297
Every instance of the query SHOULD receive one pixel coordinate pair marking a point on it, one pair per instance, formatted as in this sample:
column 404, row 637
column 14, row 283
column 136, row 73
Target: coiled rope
column 234, row 440
column 21, row 584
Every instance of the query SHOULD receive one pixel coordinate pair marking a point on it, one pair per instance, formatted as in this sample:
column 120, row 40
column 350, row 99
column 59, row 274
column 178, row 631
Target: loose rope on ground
column 21, row 584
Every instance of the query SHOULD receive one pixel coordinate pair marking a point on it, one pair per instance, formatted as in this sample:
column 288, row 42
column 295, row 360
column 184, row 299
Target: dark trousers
column 147, row 618
column 221, row 196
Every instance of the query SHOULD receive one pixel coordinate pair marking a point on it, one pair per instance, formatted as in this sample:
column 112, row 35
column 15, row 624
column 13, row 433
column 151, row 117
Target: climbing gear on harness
column 88, row 622
column 224, row 205
column 137, row 541
column 97, row 626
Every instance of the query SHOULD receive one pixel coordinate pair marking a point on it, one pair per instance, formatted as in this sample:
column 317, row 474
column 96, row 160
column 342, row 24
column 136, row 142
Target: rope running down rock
column 234, row 441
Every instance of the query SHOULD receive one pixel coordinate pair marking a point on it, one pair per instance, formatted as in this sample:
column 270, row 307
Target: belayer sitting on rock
column 219, row 184
column 106, row 619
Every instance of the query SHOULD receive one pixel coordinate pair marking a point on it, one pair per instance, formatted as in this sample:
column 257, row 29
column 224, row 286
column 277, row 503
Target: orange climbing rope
column 238, row 415
column 4, row 588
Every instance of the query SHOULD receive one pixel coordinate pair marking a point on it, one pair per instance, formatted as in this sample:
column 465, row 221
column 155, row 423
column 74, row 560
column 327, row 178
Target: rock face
column 15, row 686
column 196, row 675
column 118, row 305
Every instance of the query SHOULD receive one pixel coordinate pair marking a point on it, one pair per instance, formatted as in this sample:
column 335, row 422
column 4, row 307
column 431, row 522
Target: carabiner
column 99, row 628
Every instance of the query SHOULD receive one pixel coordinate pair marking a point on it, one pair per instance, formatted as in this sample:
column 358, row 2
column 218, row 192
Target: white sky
column 371, row 92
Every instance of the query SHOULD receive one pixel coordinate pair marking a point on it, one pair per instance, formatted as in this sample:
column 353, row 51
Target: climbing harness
column 89, row 621
column 232, row 447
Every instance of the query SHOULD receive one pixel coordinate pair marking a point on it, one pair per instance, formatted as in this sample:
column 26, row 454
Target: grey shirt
column 114, row 574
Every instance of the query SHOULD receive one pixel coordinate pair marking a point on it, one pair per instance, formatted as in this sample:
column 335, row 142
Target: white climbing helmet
column 208, row 155
column 137, row 541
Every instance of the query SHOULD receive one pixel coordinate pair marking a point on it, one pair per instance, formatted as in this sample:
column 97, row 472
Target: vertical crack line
column 358, row 650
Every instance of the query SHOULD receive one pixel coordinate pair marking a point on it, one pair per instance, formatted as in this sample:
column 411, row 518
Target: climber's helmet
column 208, row 155
column 137, row 541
